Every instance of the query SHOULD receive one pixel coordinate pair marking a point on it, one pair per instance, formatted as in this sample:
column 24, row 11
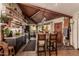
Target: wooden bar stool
column 41, row 43
column 53, row 43
column 11, row 51
column 4, row 48
column 1, row 51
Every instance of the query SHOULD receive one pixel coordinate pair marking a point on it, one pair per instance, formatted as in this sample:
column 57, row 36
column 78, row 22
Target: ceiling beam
column 48, row 13
column 27, row 18
column 35, row 14
column 43, row 9
column 33, row 20
column 27, row 9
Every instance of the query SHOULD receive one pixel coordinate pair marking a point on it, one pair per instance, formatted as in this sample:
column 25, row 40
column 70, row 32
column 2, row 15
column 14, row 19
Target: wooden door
column 58, row 29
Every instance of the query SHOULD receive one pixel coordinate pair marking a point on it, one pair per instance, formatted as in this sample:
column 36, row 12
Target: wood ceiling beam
column 30, row 19
column 26, row 17
column 33, row 20
column 55, row 13
column 27, row 9
column 43, row 9
column 35, row 14
column 47, row 12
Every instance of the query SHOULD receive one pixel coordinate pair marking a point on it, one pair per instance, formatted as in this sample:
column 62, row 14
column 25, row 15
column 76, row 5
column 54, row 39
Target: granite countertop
column 14, row 37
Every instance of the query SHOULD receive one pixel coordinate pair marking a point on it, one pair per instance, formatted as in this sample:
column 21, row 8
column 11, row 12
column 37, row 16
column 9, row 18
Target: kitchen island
column 17, row 41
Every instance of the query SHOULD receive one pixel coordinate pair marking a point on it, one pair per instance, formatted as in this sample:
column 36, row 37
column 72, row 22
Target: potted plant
column 8, row 32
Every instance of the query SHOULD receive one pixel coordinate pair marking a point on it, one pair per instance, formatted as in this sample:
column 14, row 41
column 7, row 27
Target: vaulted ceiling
column 36, row 13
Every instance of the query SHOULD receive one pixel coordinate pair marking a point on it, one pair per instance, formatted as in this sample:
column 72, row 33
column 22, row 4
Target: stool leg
column 56, row 49
column 37, row 50
column 13, row 52
column 49, row 49
column 45, row 50
column 9, row 52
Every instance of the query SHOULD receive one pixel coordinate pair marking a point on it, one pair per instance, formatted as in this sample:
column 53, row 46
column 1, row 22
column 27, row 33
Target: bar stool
column 4, row 48
column 1, row 51
column 41, row 43
column 11, row 50
column 52, row 43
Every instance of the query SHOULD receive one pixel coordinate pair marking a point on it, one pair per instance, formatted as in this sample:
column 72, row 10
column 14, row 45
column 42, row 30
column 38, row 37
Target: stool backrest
column 53, row 36
column 53, row 42
column 41, row 43
column 41, row 36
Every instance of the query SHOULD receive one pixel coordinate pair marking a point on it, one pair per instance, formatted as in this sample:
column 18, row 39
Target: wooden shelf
column 2, row 24
column 15, row 12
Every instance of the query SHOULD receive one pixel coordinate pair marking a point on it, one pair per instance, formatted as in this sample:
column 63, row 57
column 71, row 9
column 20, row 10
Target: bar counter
column 17, row 41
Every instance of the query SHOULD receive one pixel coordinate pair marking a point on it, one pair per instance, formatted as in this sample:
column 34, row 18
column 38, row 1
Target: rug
column 30, row 46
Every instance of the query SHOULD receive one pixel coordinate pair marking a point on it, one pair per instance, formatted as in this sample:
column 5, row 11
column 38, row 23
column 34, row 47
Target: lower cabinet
column 17, row 42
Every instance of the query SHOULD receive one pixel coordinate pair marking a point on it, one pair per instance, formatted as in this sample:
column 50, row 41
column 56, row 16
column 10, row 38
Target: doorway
column 58, row 29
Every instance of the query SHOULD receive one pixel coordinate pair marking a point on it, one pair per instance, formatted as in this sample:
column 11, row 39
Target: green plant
column 17, row 33
column 7, row 32
column 4, row 19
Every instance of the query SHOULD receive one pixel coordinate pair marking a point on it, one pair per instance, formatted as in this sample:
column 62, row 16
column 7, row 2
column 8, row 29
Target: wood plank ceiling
column 36, row 14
